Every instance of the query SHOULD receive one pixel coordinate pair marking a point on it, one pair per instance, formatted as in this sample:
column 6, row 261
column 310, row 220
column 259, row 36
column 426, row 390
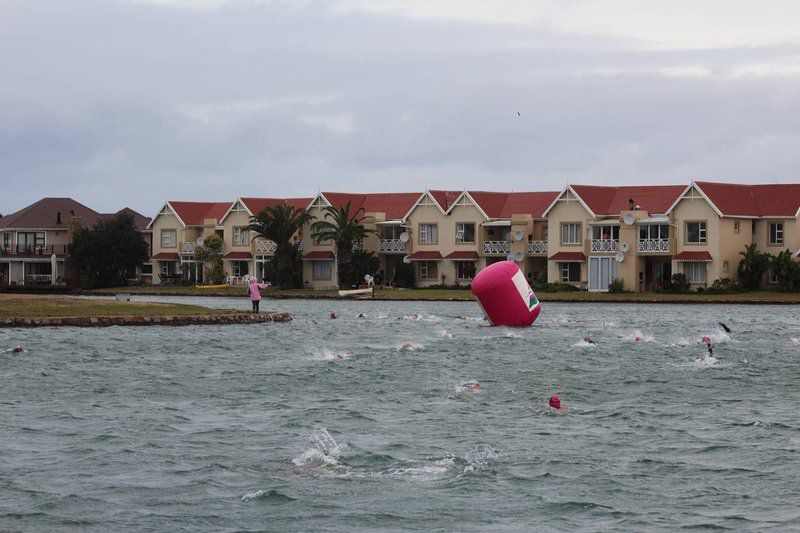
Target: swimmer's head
column 555, row 403
column 706, row 340
column 637, row 339
column 333, row 315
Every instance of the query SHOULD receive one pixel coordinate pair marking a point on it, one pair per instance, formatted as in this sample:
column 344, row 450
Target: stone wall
column 177, row 320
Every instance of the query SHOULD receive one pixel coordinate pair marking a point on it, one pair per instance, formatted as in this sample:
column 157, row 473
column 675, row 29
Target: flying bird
column 519, row 114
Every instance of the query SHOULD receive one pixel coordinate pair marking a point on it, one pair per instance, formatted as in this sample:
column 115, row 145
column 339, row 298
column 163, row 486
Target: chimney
column 74, row 225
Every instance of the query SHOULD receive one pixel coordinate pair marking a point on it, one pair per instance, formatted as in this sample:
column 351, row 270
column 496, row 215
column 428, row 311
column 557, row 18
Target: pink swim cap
column 706, row 340
column 333, row 315
column 555, row 403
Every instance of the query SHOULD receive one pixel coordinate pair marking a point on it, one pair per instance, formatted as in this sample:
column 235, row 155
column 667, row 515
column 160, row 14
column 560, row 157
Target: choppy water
column 277, row 427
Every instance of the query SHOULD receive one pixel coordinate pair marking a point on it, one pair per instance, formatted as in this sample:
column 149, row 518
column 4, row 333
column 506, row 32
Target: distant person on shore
column 254, row 291
column 555, row 404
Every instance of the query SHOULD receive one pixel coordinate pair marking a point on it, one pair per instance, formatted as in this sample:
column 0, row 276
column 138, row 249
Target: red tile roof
column 693, row 256
column 733, row 199
column 426, row 256
column 43, row 214
column 256, row 205
column 462, row 256
column 193, row 213
column 506, row 204
column 166, row 256
column 238, row 255
column 395, row 205
column 445, row 199
column 568, row 256
column 319, row 255
column 603, row 200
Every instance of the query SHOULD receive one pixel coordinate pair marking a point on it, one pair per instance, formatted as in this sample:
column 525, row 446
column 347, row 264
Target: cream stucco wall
column 566, row 210
column 309, row 245
column 694, row 208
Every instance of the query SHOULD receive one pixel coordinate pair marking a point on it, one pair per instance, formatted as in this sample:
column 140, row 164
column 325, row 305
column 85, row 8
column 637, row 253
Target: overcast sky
column 139, row 101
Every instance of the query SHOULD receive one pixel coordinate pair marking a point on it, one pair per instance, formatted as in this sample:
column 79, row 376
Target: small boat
column 210, row 286
column 356, row 292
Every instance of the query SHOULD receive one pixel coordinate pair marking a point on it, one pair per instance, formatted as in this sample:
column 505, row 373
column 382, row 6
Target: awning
column 568, row 257
column 654, row 220
column 390, row 223
column 426, row 256
column 319, row 255
column 689, row 257
column 605, row 222
column 166, row 256
column 462, row 256
column 236, row 256
column 492, row 223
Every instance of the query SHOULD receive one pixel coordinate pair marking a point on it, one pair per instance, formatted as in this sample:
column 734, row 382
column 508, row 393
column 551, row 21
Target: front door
column 662, row 274
column 602, row 271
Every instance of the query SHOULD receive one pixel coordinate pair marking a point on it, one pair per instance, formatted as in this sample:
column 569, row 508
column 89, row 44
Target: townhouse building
column 34, row 240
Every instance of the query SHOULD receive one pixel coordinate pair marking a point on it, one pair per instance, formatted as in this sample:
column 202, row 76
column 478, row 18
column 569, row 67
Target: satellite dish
column 199, row 241
column 624, row 246
column 629, row 219
column 404, row 237
column 510, row 257
column 620, row 257
column 406, row 258
column 518, row 257
column 518, row 235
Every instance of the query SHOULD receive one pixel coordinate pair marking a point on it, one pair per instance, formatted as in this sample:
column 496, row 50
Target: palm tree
column 278, row 224
column 344, row 229
column 752, row 267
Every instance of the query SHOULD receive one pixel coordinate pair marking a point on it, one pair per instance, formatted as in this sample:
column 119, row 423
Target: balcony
column 605, row 245
column 24, row 250
column 187, row 248
column 391, row 246
column 265, row 247
column 537, row 247
column 496, row 247
column 653, row 245
column 358, row 246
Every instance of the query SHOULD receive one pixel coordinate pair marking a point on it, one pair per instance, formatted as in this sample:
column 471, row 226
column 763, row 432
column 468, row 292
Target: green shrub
column 616, row 286
column 554, row 287
column 723, row 286
column 679, row 283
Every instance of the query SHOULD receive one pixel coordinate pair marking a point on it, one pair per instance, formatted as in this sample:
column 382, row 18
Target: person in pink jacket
column 253, row 290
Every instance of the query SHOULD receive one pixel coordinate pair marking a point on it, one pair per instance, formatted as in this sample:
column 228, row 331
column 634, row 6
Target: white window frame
column 777, row 233
column 694, row 268
column 564, row 268
column 174, row 242
column 317, row 271
column 241, row 236
column 570, row 233
column 702, row 234
column 428, row 233
column 461, row 230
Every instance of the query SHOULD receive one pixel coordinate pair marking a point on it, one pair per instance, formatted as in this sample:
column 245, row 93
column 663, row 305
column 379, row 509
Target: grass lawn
column 465, row 294
column 36, row 306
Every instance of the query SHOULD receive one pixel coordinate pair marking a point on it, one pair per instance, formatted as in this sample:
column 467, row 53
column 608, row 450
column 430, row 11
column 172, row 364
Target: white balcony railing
column 654, row 245
column 496, row 247
column 188, row 247
column 358, row 246
column 605, row 245
column 300, row 246
column 391, row 246
column 266, row 247
column 537, row 247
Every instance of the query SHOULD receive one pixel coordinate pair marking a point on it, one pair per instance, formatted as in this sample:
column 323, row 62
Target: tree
column 210, row 255
column 786, row 269
column 107, row 254
column 361, row 263
column 752, row 267
column 344, row 229
column 279, row 224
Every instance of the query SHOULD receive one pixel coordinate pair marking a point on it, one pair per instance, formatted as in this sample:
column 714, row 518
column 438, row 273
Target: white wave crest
column 323, row 454
column 638, row 336
column 409, row 346
column 444, row 334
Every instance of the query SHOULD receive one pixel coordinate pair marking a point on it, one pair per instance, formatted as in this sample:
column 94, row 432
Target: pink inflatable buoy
column 505, row 296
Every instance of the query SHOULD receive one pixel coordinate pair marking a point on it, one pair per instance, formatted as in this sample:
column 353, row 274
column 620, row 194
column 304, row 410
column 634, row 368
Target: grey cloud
column 125, row 103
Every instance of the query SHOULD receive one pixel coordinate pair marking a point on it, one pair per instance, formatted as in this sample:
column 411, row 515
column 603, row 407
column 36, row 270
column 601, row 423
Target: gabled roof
column 605, row 200
column 395, row 205
column 43, row 214
column 769, row 200
column 506, row 204
column 256, row 205
column 139, row 219
column 445, row 199
column 193, row 213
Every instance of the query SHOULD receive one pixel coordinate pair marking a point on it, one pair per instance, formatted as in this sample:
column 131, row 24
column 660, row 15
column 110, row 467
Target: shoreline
column 413, row 295
column 123, row 320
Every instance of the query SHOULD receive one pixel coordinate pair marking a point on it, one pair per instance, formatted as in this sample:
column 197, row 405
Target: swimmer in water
column 555, row 404
column 362, row 315
column 334, row 315
column 637, row 338
column 587, row 340
column 18, row 349
column 471, row 386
